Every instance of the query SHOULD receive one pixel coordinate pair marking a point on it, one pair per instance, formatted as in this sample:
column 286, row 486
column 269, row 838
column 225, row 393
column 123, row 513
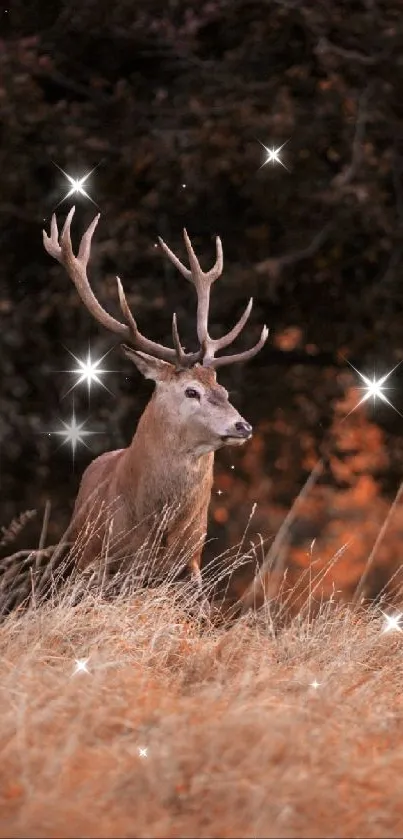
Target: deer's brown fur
column 143, row 480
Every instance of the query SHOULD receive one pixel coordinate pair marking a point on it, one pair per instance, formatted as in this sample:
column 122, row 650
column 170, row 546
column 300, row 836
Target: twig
column 27, row 552
column 274, row 264
column 45, row 524
column 274, row 551
column 8, row 534
column 350, row 171
column 370, row 560
column 323, row 46
column 53, row 562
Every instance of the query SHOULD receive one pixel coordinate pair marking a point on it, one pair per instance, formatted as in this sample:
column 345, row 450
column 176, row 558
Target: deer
column 169, row 461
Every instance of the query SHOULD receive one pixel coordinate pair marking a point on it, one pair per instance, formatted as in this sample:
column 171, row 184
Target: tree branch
column 346, row 176
column 268, row 566
column 274, row 265
column 324, row 46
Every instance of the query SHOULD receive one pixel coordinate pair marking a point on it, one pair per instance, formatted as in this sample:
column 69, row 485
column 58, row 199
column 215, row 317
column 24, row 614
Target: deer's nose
column 244, row 428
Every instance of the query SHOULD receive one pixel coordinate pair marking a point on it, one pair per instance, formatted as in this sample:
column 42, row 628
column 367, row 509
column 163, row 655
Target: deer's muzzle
column 240, row 431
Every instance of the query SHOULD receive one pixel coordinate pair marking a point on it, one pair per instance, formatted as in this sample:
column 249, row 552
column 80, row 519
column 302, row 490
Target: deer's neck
column 161, row 465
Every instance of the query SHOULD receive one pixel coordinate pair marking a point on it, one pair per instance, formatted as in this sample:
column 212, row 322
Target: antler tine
column 144, row 344
column 242, row 356
column 202, row 280
column 84, row 249
column 60, row 248
column 66, row 248
column 175, row 261
column 215, row 271
column 215, row 344
column 183, row 359
column 51, row 243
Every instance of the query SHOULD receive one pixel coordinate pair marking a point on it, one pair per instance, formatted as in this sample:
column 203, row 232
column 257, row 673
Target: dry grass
column 239, row 743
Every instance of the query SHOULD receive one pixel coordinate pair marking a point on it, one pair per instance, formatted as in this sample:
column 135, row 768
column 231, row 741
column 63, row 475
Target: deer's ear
column 150, row 367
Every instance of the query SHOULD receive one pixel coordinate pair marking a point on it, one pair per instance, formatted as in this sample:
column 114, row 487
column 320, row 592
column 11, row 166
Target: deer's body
column 131, row 486
column 166, row 473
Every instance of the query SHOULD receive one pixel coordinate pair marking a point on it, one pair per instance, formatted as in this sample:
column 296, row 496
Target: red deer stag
column 169, row 462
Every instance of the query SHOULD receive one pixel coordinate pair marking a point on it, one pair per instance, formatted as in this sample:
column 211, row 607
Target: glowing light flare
column 143, row 751
column 81, row 666
column 74, row 433
column 392, row 623
column 315, row 684
column 374, row 388
column 88, row 371
column 77, row 185
column 273, row 155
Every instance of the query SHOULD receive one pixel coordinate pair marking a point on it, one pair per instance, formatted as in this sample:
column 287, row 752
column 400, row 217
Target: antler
column 203, row 281
column 76, row 267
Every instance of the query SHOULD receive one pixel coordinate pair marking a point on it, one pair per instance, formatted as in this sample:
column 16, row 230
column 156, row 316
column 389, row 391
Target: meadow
column 135, row 716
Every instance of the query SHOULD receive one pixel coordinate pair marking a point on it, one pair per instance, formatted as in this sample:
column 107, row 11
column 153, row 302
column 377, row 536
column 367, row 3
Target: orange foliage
column 343, row 515
column 221, row 514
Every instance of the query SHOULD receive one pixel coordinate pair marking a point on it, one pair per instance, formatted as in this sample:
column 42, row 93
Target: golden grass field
column 248, row 731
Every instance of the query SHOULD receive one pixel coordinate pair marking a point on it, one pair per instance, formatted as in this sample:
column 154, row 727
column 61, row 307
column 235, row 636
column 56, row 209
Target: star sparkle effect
column 315, row 685
column 74, row 433
column 392, row 623
column 89, row 371
column 143, row 751
column 77, row 185
column 374, row 388
column 273, row 155
column 81, row 666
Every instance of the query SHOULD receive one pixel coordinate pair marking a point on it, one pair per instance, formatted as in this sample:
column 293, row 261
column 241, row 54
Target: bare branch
column 268, row 567
column 273, row 265
column 325, row 46
column 370, row 560
column 8, row 534
column 346, row 176
column 45, row 524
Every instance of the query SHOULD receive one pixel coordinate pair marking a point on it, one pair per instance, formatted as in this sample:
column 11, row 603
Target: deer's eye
column 191, row 393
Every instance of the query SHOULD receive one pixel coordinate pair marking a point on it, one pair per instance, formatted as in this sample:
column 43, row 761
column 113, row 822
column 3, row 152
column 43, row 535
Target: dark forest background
column 170, row 101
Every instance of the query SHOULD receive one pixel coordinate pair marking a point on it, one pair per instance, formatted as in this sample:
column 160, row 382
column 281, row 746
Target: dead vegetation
column 250, row 729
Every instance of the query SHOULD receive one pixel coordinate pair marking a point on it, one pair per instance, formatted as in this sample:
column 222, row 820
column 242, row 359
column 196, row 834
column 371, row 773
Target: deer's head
column 193, row 403
column 186, row 388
